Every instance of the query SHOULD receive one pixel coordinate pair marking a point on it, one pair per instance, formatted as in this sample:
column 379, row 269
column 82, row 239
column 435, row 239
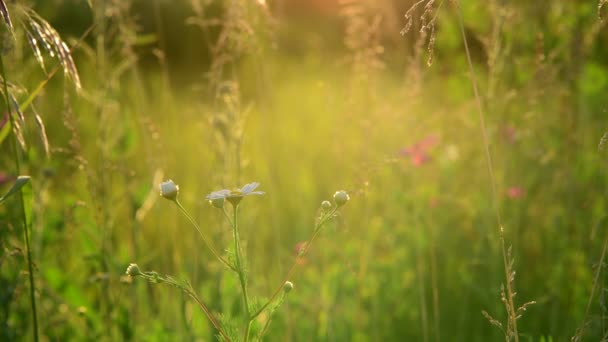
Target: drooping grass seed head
column 341, row 197
column 288, row 286
column 133, row 270
column 169, row 190
column 325, row 205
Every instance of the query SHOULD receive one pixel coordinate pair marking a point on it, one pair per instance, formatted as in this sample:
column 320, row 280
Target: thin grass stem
column 511, row 309
column 28, row 251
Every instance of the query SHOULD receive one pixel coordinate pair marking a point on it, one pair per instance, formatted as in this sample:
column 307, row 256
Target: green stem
column 30, row 265
column 190, row 292
column 512, row 315
column 267, row 324
column 205, row 240
column 292, row 269
column 240, row 270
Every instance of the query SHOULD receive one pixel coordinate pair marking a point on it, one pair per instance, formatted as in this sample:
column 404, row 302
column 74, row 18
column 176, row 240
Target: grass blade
column 19, row 183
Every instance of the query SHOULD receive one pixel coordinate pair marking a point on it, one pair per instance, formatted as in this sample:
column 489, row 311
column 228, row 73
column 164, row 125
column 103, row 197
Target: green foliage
column 307, row 101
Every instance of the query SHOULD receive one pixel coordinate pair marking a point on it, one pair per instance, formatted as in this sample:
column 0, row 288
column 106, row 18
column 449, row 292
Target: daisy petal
column 218, row 194
column 249, row 187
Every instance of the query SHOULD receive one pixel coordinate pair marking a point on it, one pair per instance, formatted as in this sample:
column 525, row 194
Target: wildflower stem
column 227, row 216
column 267, row 324
column 188, row 290
column 240, row 270
column 203, row 236
column 30, row 265
column 324, row 219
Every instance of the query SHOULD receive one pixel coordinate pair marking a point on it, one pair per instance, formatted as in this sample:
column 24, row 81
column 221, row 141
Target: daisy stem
column 205, row 240
column 241, row 271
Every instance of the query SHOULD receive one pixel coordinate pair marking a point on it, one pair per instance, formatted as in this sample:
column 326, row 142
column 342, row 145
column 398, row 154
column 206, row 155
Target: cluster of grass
column 464, row 207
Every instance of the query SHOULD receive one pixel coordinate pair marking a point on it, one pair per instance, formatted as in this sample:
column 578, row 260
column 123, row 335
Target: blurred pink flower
column 515, row 192
column 4, row 178
column 509, row 134
column 434, row 202
column 299, row 247
column 418, row 153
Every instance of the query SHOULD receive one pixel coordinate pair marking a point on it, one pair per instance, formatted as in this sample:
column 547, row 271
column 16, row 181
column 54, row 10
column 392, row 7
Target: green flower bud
column 169, row 190
column 288, row 286
column 133, row 270
column 217, row 202
column 341, row 197
column 326, row 205
column 82, row 311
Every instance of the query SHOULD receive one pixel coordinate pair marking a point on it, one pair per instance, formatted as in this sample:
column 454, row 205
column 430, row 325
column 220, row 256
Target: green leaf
column 4, row 131
column 19, row 183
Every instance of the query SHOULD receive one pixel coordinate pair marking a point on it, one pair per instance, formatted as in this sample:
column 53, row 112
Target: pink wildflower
column 515, row 192
column 509, row 134
column 418, row 153
column 5, row 178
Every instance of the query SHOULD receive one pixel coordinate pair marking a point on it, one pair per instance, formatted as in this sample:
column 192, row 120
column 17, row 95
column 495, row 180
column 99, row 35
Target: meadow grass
column 468, row 146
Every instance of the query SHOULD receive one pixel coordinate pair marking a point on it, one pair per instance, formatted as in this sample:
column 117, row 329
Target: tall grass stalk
column 512, row 316
column 16, row 158
column 596, row 281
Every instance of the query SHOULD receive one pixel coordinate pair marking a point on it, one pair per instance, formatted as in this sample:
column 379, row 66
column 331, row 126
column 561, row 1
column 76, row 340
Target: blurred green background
column 308, row 97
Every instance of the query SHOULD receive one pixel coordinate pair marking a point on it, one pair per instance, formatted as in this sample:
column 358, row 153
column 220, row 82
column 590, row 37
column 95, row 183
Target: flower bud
column 82, row 311
column 133, row 270
column 169, row 190
column 217, row 202
column 288, row 286
column 341, row 197
column 326, row 205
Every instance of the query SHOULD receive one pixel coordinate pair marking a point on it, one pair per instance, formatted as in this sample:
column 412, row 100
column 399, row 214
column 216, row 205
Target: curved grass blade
column 19, row 183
